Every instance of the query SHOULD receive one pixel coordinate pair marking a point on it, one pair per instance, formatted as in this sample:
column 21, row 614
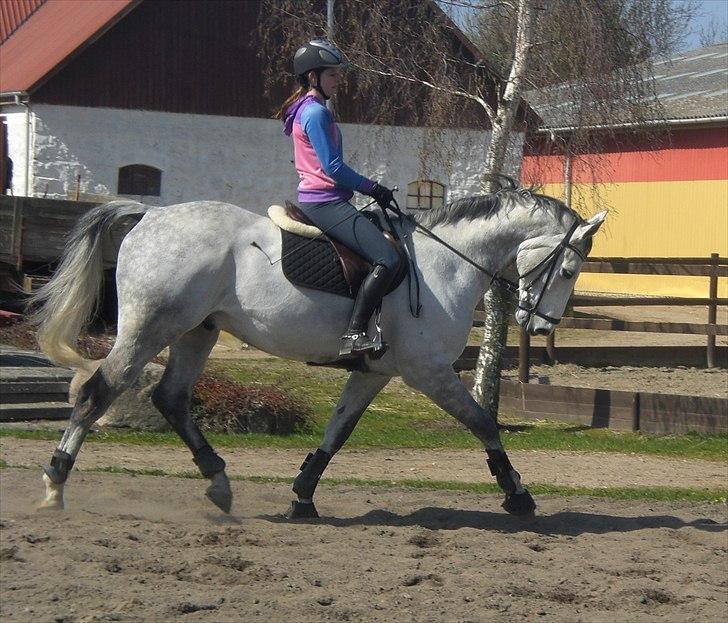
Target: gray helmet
column 317, row 54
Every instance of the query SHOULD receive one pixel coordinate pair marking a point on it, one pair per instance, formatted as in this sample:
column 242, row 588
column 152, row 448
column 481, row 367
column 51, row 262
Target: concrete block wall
column 243, row 161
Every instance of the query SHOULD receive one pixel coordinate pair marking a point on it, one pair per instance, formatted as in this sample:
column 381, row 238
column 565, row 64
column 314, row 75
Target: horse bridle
column 548, row 263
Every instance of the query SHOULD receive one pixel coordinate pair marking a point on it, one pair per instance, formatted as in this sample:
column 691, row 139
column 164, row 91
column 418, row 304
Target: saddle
column 311, row 259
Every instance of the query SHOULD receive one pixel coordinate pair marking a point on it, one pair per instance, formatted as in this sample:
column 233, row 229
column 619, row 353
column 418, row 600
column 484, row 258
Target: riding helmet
column 317, row 54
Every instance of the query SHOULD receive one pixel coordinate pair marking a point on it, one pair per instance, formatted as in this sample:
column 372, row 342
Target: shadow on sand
column 567, row 523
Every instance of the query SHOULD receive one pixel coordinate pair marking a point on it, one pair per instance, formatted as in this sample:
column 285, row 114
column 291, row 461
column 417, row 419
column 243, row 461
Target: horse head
column 548, row 266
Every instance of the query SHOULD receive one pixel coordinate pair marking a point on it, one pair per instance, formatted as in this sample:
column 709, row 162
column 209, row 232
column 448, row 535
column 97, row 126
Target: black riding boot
column 370, row 294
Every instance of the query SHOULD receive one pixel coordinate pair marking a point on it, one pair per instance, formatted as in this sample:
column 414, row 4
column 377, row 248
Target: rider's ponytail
column 299, row 92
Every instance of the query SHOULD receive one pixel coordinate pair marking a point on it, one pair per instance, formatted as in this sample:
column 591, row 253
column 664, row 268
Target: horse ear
column 588, row 228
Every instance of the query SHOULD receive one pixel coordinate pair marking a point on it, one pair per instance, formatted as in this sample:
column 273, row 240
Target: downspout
column 28, row 166
column 567, row 177
column 330, row 36
column 21, row 98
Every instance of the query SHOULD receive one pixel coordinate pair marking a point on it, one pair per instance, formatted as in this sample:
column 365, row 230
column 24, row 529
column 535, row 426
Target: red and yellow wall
column 665, row 201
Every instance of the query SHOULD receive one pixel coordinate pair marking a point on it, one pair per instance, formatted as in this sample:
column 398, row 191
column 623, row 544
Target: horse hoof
column 50, row 505
column 520, row 504
column 302, row 510
column 53, row 500
column 219, row 492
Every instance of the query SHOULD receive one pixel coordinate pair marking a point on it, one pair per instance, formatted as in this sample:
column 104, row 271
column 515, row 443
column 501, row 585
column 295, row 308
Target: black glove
column 382, row 195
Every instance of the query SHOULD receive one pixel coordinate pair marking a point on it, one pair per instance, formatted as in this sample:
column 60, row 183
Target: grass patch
column 532, row 436
column 403, row 418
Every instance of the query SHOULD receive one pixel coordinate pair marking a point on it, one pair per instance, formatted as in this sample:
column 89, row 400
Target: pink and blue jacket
column 318, row 154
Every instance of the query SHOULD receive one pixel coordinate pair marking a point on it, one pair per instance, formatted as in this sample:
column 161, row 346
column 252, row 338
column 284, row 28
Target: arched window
column 139, row 179
column 425, row 194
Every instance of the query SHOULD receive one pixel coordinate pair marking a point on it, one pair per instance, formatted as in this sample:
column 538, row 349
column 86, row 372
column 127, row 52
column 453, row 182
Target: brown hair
column 299, row 92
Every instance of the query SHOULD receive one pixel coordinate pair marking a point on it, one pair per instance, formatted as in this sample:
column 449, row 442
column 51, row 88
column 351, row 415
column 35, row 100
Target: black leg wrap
column 208, row 462
column 500, row 467
column 311, row 470
column 61, row 464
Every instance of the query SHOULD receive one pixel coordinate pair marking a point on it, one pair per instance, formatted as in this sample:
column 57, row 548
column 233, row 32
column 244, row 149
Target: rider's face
column 330, row 78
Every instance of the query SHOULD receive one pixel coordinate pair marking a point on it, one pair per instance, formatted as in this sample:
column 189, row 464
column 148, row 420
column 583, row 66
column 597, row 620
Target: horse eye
column 566, row 273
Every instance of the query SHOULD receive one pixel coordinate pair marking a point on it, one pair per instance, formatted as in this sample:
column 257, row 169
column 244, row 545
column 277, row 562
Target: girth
column 312, row 259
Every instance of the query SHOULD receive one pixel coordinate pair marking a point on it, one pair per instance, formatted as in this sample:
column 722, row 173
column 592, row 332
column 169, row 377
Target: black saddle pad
column 313, row 263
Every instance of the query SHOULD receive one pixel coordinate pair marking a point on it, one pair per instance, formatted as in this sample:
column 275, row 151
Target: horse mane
column 467, row 208
column 486, row 206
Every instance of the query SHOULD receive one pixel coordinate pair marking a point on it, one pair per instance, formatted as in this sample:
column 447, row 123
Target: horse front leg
column 444, row 388
column 360, row 390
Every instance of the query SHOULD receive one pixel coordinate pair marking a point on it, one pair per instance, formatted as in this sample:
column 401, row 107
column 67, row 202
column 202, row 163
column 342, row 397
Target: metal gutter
column 663, row 122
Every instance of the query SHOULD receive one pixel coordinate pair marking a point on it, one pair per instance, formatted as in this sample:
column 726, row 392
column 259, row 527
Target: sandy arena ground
column 143, row 548
column 153, row 549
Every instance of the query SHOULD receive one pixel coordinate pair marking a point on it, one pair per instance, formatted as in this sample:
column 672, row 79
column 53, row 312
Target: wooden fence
column 36, row 230
column 712, row 267
column 657, row 414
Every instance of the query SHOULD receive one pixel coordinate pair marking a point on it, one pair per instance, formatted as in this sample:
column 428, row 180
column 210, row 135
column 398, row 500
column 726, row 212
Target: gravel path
column 575, row 469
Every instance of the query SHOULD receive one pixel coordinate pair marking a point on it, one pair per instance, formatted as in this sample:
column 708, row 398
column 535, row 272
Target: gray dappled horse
column 185, row 272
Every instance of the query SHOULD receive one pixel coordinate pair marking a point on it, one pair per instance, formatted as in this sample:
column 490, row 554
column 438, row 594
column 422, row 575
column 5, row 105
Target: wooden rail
column 36, row 230
column 712, row 267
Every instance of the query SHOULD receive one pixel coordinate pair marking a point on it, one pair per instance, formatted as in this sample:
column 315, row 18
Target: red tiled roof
column 50, row 33
column 13, row 13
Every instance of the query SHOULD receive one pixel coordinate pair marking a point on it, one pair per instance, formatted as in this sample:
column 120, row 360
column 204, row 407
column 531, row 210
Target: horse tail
column 65, row 304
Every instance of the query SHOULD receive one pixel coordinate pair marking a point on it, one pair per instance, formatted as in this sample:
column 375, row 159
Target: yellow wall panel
column 654, row 219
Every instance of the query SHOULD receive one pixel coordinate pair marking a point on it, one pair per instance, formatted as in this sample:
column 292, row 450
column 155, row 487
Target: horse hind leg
column 358, row 393
column 96, row 395
column 172, row 398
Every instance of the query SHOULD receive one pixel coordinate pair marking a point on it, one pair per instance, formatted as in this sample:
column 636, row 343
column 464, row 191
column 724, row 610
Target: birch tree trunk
column 496, row 303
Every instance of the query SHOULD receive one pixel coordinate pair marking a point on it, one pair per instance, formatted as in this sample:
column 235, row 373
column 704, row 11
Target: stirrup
column 362, row 344
column 356, row 343
column 359, row 343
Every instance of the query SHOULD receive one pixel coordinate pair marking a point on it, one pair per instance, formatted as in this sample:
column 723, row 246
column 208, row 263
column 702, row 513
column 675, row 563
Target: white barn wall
column 245, row 161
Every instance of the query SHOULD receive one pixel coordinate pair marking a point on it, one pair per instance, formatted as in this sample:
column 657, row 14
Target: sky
column 709, row 12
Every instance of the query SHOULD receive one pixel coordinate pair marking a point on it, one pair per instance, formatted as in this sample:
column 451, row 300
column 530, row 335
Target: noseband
column 547, row 264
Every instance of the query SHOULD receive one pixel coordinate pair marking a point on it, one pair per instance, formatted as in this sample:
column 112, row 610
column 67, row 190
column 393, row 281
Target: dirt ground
column 141, row 548
column 570, row 469
column 153, row 549
column 659, row 380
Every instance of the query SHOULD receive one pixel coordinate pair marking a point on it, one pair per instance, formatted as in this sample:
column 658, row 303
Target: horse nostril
column 543, row 331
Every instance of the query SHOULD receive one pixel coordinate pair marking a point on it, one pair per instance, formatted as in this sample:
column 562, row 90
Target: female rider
column 327, row 183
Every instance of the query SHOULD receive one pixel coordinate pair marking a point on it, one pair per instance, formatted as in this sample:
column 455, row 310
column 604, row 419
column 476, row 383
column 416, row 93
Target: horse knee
column 171, row 404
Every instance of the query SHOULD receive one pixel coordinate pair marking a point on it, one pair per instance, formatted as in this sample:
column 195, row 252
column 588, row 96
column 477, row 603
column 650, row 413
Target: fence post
column 551, row 348
column 636, row 412
column 712, row 308
column 524, row 346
